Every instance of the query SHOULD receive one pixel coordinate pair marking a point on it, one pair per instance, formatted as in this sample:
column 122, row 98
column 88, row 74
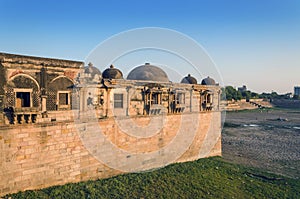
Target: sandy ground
column 268, row 139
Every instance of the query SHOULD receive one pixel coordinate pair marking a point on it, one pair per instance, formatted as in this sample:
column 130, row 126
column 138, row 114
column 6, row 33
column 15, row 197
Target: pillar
column 128, row 100
column 191, row 100
column 44, row 103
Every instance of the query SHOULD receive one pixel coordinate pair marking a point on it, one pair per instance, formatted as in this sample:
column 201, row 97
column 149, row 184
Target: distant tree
column 246, row 95
column 288, row 95
column 274, row 95
column 231, row 93
column 239, row 95
column 265, row 96
column 254, row 95
column 296, row 97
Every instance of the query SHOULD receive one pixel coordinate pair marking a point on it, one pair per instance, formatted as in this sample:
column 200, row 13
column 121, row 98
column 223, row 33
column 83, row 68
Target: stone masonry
column 36, row 156
column 64, row 122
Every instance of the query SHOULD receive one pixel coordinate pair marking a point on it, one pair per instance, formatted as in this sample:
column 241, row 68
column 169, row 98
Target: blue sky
column 254, row 42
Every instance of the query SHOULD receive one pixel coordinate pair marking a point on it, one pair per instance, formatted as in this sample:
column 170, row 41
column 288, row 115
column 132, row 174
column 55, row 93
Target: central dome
column 148, row 72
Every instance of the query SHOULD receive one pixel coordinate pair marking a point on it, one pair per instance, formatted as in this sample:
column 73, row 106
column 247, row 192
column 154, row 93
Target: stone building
column 32, row 87
column 48, row 106
column 242, row 89
column 34, row 90
column 148, row 91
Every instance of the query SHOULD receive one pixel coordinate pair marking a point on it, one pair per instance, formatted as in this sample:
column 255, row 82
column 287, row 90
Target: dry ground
column 266, row 139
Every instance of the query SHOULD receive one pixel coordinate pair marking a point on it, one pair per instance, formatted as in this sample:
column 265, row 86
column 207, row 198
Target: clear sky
column 254, row 42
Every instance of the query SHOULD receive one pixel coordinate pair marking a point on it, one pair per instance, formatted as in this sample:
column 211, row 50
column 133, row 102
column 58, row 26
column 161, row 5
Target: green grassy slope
column 204, row 178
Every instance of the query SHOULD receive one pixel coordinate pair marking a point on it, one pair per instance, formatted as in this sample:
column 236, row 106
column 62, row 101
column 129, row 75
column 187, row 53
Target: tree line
column 233, row 94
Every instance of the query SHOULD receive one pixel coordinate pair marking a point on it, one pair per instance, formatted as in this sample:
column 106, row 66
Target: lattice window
column 75, row 100
column 36, row 99
column 10, row 97
column 51, row 100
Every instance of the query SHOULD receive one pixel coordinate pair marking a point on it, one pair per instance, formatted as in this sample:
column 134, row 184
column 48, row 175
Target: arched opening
column 22, row 93
column 22, row 99
column 60, row 94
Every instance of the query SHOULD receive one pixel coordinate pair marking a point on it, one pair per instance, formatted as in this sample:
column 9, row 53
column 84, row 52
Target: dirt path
column 268, row 139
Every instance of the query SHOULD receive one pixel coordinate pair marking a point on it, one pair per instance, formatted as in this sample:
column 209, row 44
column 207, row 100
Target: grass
column 204, row 178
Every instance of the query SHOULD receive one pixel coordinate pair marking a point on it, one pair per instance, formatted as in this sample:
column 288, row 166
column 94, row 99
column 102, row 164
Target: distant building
column 242, row 89
column 297, row 90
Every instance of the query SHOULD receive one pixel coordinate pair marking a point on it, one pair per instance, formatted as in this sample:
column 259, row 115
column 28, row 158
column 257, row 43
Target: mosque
column 64, row 122
column 37, row 89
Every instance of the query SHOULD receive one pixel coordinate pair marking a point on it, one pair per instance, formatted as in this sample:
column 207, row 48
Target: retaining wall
column 34, row 156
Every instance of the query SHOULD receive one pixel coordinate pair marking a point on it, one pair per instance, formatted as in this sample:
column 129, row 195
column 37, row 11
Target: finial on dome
column 90, row 64
column 189, row 75
column 147, row 63
column 111, row 66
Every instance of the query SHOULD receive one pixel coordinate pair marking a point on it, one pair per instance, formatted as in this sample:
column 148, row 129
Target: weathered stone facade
column 61, row 122
column 34, row 86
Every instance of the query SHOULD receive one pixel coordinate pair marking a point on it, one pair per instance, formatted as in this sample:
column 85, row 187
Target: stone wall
column 244, row 105
column 34, row 156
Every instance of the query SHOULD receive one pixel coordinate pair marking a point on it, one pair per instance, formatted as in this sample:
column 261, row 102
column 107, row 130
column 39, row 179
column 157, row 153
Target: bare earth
column 268, row 139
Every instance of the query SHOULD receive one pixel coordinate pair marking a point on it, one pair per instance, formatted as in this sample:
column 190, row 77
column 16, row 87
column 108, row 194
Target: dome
column 208, row 81
column 91, row 73
column 148, row 72
column 112, row 73
column 189, row 80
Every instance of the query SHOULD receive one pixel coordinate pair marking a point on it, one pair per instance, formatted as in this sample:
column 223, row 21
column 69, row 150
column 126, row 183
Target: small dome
column 189, row 80
column 208, row 81
column 149, row 73
column 112, row 73
column 91, row 73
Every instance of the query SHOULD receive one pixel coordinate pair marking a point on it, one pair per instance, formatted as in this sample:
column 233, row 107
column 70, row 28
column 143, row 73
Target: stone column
column 169, row 104
column 145, row 101
column 219, row 99
column 191, row 100
column 150, row 99
column 159, row 98
column 108, row 104
column 128, row 100
column 44, row 103
column 200, row 101
column 82, row 102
